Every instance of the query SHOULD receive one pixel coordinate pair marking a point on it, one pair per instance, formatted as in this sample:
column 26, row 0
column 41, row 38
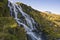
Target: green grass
column 4, row 10
column 9, row 29
column 49, row 22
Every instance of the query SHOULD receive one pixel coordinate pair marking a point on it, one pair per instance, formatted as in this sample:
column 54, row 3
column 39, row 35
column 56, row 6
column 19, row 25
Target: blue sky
column 42, row 5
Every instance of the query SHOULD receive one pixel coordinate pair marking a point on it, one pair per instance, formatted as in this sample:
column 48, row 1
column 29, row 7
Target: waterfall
column 28, row 23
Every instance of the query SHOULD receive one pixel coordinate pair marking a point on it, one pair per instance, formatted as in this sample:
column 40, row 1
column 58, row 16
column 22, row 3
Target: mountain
column 48, row 24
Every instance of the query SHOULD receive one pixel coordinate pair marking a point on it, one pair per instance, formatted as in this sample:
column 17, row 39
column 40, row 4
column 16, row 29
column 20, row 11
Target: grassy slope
column 4, row 11
column 50, row 23
column 9, row 29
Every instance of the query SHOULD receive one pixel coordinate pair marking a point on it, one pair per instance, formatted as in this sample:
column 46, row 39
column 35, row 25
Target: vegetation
column 4, row 10
column 48, row 23
column 9, row 29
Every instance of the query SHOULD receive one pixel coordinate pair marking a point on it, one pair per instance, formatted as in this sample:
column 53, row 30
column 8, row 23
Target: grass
column 49, row 22
column 9, row 29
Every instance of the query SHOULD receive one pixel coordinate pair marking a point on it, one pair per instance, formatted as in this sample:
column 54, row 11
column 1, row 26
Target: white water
column 30, row 27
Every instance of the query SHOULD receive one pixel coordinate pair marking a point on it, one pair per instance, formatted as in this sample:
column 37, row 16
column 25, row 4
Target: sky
column 42, row 5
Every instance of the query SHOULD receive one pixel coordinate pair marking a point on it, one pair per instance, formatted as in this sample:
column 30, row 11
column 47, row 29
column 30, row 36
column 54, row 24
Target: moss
column 19, row 15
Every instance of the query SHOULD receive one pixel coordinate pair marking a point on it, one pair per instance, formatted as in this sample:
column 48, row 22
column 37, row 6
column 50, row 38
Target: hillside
column 9, row 29
column 48, row 23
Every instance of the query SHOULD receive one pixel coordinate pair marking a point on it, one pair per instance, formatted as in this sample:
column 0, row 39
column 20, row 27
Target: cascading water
column 28, row 23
